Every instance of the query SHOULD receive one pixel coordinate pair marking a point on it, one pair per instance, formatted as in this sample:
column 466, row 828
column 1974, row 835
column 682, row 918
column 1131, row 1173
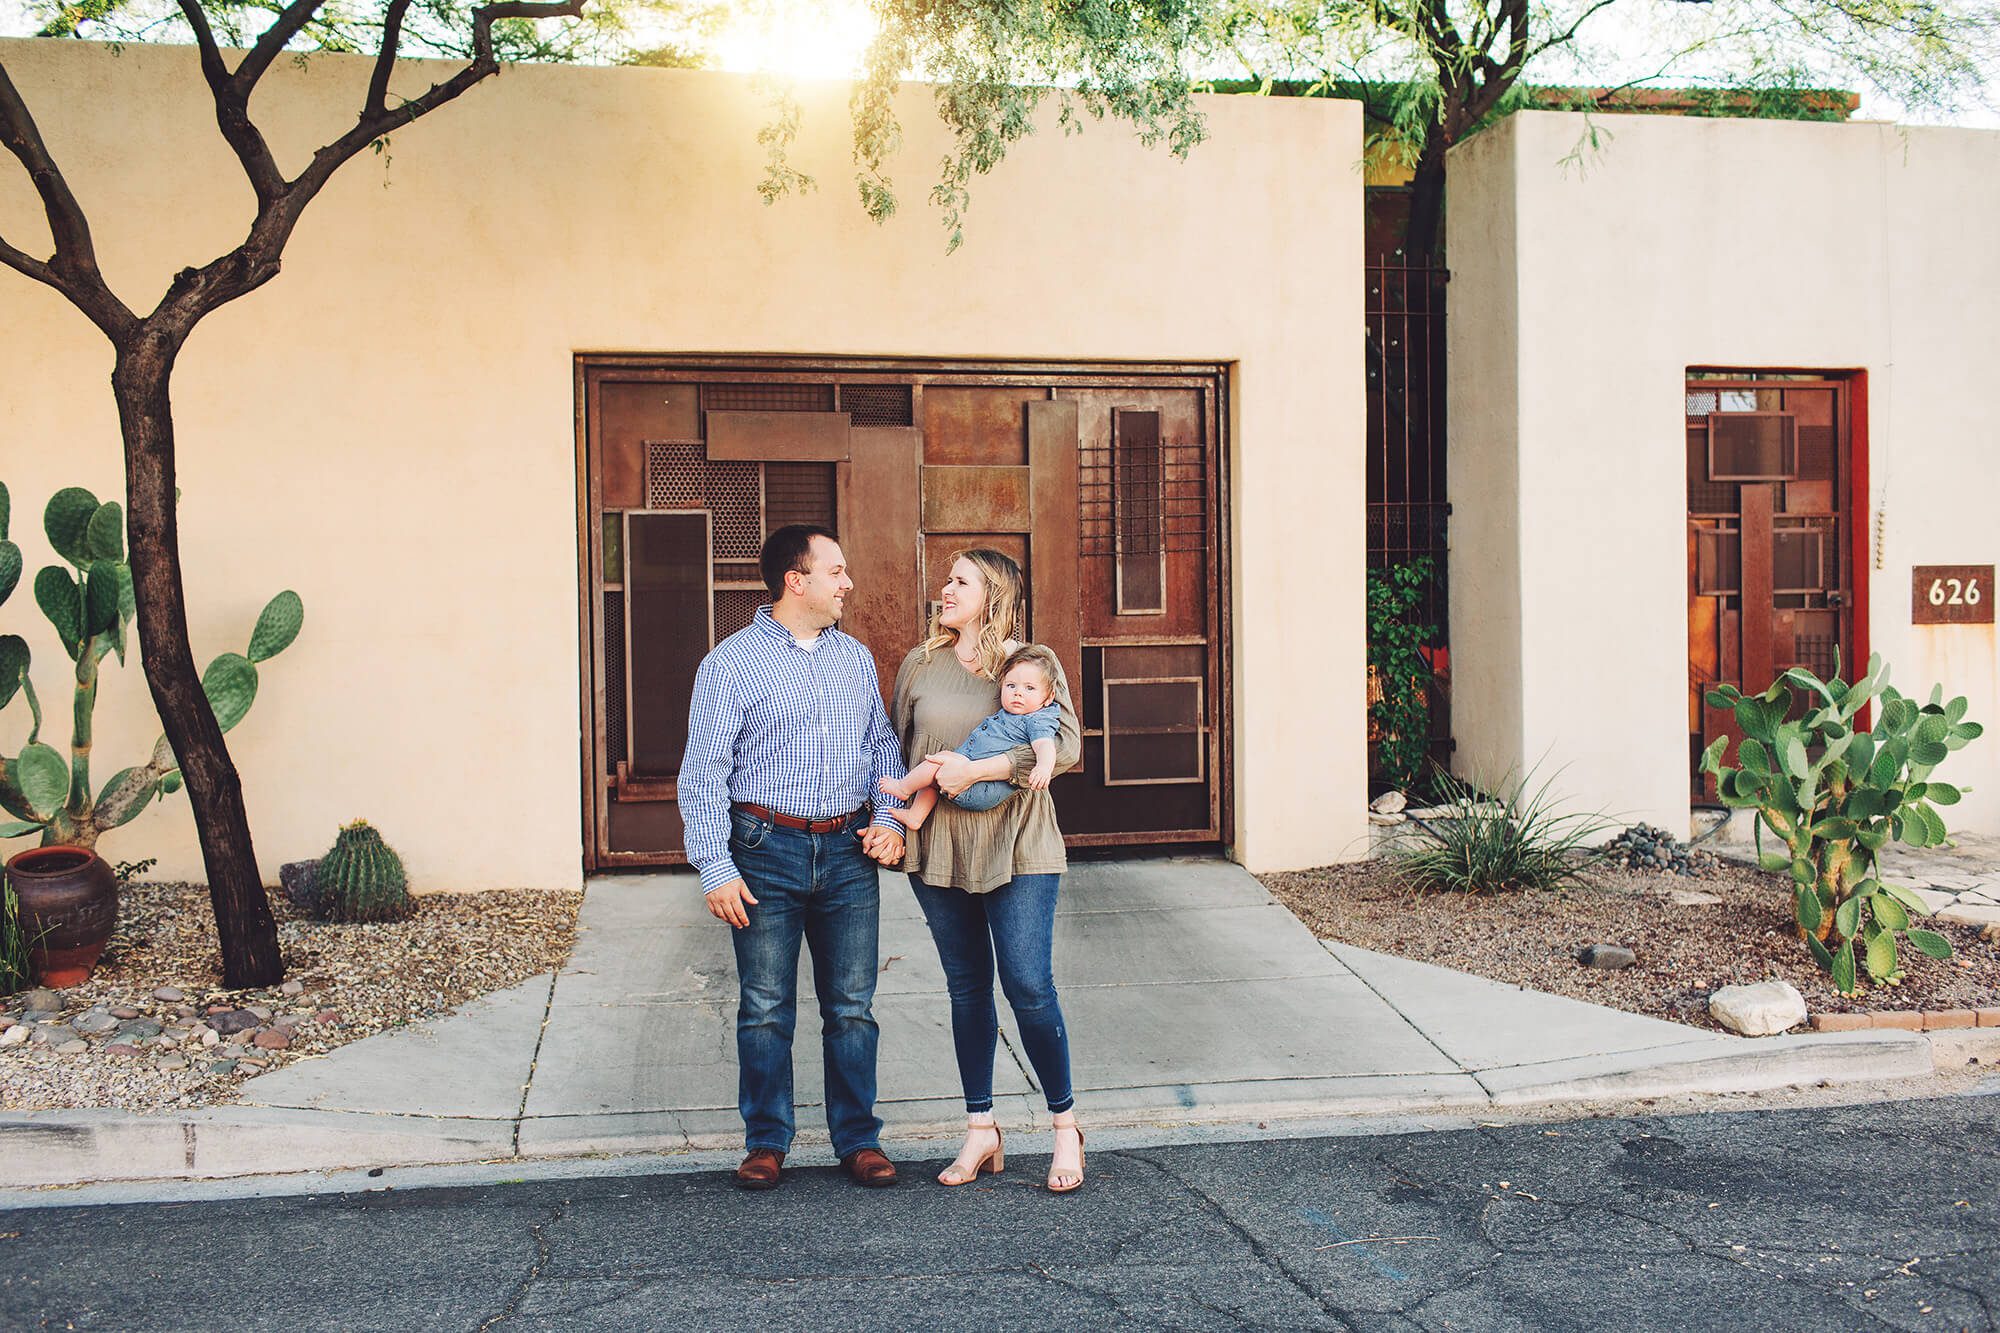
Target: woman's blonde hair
column 1000, row 621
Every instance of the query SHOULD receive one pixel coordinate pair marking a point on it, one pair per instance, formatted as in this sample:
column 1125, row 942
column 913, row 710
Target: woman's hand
column 956, row 772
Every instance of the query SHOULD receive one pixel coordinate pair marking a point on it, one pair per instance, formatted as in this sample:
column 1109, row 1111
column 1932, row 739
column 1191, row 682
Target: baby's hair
column 1033, row 654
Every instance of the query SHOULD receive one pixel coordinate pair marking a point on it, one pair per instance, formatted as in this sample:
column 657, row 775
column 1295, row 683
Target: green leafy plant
column 91, row 611
column 127, row 871
column 1517, row 840
column 1836, row 792
column 361, row 878
column 1397, row 637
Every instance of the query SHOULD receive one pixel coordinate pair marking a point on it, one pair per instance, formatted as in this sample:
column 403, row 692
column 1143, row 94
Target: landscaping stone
column 297, row 879
column 210, row 1037
column 1762, row 1010
column 1971, row 915
column 327, row 1016
column 75, row 1046
column 292, row 987
column 1692, row 898
column 222, row 1067
column 1935, row 900
column 1950, row 1018
column 121, row 1048
column 169, row 993
column 1607, row 957
column 15, row 1035
column 47, row 1034
column 1842, row 1022
column 272, row 1040
column 97, row 1020
column 262, row 1011
column 42, row 1000
column 1385, row 821
column 1389, row 803
column 173, row 1062
column 126, row 1011
column 1904, row 1020
column 232, row 1021
column 1644, row 847
column 139, row 1029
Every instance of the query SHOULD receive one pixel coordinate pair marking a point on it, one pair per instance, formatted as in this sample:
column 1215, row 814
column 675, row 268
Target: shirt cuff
column 714, row 874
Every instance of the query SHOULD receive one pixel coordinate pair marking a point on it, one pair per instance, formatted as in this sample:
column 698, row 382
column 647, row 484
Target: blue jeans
column 983, row 795
column 1014, row 926
column 819, row 888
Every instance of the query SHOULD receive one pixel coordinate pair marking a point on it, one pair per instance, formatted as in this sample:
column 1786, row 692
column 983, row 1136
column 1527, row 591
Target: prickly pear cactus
column 361, row 879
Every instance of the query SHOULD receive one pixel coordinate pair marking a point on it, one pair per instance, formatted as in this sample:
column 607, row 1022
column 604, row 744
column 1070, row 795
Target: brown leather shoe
column 761, row 1170
column 867, row 1166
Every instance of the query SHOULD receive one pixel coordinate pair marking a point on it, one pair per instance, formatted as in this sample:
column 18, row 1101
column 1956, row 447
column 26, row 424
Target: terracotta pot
column 68, row 900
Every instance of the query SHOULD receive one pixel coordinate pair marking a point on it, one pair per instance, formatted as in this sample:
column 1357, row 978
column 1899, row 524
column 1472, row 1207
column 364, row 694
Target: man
column 787, row 740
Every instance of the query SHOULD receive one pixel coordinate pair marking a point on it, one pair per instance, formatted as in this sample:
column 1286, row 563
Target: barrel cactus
column 1836, row 791
column 361, row 879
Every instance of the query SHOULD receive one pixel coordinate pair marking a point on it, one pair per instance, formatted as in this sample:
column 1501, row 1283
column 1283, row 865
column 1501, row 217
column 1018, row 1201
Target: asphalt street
column 1863, row 1217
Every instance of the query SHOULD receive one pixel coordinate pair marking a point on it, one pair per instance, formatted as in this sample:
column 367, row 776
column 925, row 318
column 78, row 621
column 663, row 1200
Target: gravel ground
column 1684, row 953
column 342, row 983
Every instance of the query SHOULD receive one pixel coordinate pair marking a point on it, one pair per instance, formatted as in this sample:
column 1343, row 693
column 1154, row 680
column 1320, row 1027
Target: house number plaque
column 1952, row 595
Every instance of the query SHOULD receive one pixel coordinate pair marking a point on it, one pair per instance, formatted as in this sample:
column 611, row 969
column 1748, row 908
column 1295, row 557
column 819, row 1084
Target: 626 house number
column 1955, row 592
column 1952, row 595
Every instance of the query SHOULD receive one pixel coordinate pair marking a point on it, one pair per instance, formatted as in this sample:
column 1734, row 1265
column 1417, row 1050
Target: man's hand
column 882, row 844
column 726, row 903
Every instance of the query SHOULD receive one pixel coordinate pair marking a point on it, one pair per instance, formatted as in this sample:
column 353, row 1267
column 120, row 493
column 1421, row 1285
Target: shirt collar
column 768, row 623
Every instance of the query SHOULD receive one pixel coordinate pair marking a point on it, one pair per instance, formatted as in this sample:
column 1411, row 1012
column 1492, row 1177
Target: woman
column 987, row 880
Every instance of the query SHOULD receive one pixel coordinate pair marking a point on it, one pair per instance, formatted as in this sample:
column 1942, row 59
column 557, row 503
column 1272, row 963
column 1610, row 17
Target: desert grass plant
column 1837, row 790
column 14, row 974
column 1518, row 839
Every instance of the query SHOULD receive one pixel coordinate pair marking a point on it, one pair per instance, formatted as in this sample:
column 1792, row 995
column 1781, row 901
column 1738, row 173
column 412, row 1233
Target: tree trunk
column 244, row 924
column 1425, row 242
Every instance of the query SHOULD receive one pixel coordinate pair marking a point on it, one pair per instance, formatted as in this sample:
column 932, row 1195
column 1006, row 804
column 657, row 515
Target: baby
column 1028, row 715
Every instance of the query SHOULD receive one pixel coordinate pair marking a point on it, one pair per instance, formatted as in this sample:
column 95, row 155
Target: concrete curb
column 51, row 1150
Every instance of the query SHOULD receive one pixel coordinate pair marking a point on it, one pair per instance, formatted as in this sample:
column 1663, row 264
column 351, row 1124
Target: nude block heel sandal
column 1076, row 1184
column 993, row 1162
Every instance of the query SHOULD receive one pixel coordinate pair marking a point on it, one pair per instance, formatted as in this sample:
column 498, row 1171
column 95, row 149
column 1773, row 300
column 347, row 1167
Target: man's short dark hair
column 788, row 549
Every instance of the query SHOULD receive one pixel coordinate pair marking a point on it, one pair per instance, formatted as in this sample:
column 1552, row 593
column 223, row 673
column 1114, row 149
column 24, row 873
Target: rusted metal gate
column 1774, row 484
column 1407, row 510
column 1104, row 482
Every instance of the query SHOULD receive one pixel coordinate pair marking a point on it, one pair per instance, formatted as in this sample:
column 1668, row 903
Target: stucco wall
column 388, row 427
column 1679, row 243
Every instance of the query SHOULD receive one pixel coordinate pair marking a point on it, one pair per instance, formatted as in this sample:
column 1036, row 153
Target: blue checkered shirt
column 798, row 731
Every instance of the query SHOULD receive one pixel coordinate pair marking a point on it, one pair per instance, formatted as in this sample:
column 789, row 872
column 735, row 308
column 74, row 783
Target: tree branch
column 232, row 109
column 385, row 60
column 274, row 40
column 73, row 269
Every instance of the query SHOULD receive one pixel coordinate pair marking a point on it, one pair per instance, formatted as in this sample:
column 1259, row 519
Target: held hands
column 726, row 903
column 882, row 844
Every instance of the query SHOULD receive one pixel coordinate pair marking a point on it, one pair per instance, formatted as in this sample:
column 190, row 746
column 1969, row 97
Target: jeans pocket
column 747, row 832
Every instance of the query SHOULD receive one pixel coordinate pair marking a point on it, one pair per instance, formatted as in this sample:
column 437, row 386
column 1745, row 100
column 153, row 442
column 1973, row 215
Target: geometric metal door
column 1104, row 483
column 1772, row 538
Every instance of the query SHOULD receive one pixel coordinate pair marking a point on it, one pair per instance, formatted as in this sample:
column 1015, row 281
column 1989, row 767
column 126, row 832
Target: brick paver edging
column 1909, row 1020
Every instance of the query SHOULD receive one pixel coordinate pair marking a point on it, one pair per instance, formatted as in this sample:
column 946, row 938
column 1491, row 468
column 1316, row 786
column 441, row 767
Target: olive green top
column 937, row 704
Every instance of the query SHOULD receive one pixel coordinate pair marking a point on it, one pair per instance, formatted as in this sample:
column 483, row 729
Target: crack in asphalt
column 539, row 1231
column 1262, row 1252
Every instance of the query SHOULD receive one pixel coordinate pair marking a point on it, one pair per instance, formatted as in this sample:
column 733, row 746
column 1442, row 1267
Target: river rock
column 169, row 993
column 1693, row 898
column 297, row 879
column 42, row 1000
column 95, row 1021
column 233, row 1020
column 272, row 1040
column 1607, row 957
column 15, row 1035
column 74, row 1046
column 1762, row 1010
column 1389, row 803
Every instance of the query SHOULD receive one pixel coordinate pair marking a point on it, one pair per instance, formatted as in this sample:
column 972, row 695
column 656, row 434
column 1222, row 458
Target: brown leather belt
column 793, row 821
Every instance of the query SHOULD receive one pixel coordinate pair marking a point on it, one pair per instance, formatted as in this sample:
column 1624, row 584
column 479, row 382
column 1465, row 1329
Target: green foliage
column 14, row 973
column 127, row 871
column 1397, row 637
column 91, row 612
column 1517, row 841
column 361, row 878
column 1836, row 792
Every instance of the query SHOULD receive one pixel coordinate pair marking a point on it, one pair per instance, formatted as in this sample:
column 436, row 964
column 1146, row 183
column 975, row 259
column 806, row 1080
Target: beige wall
column 388, row 427
column 1582, row 291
